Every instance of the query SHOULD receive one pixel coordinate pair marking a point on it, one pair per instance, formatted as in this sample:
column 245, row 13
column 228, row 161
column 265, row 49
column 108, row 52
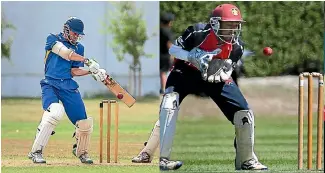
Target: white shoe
column 36, row 157
column 84, row 158
column 142, row 158
column 166, row 165
column 253, row 164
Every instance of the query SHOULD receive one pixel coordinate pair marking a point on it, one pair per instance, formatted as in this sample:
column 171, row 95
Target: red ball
column 267, row 51
column 119, row 95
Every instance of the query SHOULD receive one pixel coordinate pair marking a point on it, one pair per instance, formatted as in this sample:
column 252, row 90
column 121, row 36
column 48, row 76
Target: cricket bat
column 118, row 91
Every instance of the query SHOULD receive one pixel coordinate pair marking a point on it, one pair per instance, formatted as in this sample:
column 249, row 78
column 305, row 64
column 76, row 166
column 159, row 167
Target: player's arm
column 56, row 46
column 68, row 54
column 183, row 44
column 79, row 72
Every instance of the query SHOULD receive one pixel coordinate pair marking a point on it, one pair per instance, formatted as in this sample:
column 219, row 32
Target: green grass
column 20, row 118
column 82, row 169
column 206, row 144
column 203, row 144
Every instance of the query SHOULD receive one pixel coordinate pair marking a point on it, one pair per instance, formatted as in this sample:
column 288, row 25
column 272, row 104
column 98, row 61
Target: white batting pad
column 238, row 163
column 83, row 133
column 168, row 117
column 50, row 119
column 244, row 128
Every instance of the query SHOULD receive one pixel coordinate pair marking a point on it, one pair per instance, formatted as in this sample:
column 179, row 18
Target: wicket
column 108, row 133
column 310, row 120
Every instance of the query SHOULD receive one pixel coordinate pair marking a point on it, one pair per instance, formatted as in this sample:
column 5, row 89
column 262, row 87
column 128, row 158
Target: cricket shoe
column 36, row 157
column 253, row 164
column 166, row 165
column 143, row 157
column 84, row 158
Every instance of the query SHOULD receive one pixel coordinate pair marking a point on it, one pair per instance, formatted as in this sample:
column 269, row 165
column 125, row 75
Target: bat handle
column 105, row 81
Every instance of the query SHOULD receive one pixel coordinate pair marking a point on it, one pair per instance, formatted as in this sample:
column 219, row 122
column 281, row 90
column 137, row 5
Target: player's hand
column 200, row 59
column 223, row 73
column 92, row 65
column 100, row 75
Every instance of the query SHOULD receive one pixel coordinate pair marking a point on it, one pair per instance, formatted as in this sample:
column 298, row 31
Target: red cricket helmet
column 226, row 13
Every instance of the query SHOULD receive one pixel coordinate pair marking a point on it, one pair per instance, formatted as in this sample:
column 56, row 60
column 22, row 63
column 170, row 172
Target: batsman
column 64, row 55
column 205, row 57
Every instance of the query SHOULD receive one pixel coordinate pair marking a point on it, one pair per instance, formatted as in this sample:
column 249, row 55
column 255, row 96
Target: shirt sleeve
column 186, row 40
column 80, row 51
column 50, row 41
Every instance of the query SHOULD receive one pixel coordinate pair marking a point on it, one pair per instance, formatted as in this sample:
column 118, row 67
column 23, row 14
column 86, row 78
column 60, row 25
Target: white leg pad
column 153, row 141
column 168, row 117
column 50, row 120
column 244, row 128
column 238, row 163
column 84, row 128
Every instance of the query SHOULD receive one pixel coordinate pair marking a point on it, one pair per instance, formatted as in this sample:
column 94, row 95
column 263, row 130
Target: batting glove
column 100, row 75
column 92, row 65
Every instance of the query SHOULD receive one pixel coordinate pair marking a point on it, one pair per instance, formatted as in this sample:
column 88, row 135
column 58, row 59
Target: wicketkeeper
column 63, row 57
column 205, row 57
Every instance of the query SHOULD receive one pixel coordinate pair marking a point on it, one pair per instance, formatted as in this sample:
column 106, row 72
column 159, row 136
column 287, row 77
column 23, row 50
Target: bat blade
column 119, row 91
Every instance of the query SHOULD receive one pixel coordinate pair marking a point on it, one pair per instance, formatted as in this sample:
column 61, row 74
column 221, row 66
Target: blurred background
column 25, row 26
column 294, row 30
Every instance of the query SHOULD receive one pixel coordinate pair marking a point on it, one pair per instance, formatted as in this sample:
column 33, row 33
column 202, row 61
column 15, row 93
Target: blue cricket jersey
column 55, row 66
column 58, row 70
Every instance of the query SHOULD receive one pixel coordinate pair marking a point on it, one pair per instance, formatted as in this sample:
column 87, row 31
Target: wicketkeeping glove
column 219, row 70
column 200, row 59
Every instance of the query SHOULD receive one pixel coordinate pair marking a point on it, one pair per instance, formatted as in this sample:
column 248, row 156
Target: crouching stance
column 217, row 40
column 205, row 57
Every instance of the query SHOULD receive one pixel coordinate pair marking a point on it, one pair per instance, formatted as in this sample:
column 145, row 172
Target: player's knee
column 170, row 101
column 242, row 117
column 85, row 125
column 54, row 113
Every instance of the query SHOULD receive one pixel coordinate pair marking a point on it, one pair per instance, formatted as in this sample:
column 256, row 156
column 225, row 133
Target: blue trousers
column 66, row 91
